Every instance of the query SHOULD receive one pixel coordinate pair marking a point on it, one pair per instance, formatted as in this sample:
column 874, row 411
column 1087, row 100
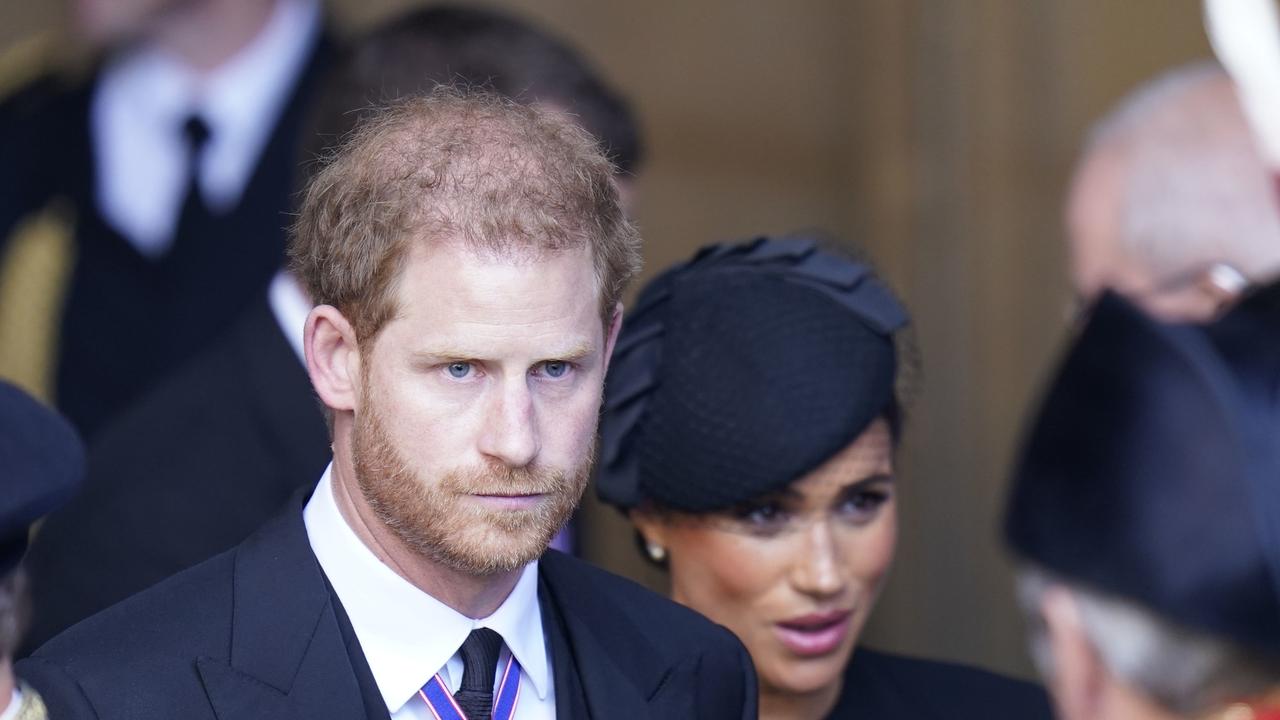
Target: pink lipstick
column 814, row 634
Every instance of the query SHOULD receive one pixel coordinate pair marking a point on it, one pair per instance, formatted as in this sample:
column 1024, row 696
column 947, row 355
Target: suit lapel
column 288, row 658
column 234, row 694
column 619, row 671
column 570, row 702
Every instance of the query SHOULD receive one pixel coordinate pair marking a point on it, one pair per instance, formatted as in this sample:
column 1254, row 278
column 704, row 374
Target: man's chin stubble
column 492, row 542
column 434, row 520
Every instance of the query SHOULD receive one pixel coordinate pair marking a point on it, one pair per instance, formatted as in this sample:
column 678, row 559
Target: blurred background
column 937, row 135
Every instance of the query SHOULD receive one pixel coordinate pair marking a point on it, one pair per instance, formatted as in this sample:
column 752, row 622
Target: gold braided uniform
column 31, row 706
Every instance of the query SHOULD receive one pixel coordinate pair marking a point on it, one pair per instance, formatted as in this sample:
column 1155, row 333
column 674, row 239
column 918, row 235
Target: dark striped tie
column 480, row 663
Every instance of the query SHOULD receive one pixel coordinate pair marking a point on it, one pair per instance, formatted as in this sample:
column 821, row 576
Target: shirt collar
column 144, row 95
column 232, row 94
column 239, row 100
column 290, row 306
column 408, row 636
column 234, row 97
column 15, row 705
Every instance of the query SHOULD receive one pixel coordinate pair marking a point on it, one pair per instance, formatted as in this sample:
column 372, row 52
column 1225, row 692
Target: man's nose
column 510, row 432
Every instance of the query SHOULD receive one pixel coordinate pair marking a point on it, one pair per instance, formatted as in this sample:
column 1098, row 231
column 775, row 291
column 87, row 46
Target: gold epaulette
column 32, row 707
column 35, row 272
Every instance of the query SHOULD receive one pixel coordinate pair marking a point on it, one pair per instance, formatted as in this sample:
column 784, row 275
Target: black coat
column 256, row 633
column 879, row 685
column 129, row 320
column 205, row 459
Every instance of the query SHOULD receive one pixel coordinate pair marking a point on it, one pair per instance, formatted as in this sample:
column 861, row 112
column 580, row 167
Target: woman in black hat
column 749, row 431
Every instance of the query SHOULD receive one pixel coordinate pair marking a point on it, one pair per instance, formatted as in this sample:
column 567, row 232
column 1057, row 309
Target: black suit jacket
column 880, row 685
column 205, row 459
column 128, row 320
column 1249, row 339
column 256, row 633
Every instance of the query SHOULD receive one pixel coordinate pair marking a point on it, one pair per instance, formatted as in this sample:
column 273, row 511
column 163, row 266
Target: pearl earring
column 657, row 553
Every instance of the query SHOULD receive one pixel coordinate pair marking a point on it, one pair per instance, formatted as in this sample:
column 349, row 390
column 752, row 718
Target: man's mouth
column 509, row 501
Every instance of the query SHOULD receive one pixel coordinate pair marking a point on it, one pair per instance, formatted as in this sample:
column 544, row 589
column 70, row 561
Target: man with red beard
column 467, row 255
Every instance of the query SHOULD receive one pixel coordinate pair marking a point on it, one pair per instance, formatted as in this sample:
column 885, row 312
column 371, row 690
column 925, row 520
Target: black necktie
column 480, row 663
column 194, row 212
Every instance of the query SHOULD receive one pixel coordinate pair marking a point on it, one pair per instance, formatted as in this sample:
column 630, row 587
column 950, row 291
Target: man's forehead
column 457, row 298
column 453, row 250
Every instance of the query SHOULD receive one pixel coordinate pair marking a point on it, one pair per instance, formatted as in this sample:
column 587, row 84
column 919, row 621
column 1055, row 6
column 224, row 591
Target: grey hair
column 1197, row 190
column 13, row 611
column 1186, row 672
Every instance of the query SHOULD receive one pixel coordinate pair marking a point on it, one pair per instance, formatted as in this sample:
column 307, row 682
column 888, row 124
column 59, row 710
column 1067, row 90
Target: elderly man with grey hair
column 1147, row 517
column 1172, row 204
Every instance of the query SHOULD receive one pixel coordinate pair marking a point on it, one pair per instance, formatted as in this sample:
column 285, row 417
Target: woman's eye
column 555, row 368
column 761, row 516
column 863, row 504
column 459, row 370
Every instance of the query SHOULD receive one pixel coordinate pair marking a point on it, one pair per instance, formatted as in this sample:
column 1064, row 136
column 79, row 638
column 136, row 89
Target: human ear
column 333, row 357
column 611, row 334
column 653, row 531
column 1079, row 677
column 1222, row 285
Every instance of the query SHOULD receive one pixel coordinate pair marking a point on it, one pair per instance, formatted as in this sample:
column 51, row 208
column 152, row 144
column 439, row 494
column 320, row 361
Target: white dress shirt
column 290, row 306
column 15, row 704
column 408, row 636
column 144, row 97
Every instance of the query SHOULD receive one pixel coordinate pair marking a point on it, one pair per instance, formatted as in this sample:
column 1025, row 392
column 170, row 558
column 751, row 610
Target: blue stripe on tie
column 440, row 700
column 504, row 706
column 443, row 707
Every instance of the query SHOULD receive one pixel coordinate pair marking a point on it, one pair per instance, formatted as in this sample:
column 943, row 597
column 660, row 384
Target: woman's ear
column 653, row 533
column 333, row 357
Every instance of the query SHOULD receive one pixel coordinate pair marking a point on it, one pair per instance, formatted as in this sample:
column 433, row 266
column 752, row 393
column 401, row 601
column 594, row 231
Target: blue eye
column 459, row 370
column 555, row 368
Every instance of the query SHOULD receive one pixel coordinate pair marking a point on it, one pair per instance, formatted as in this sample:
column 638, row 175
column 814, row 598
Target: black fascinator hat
column 742, row 370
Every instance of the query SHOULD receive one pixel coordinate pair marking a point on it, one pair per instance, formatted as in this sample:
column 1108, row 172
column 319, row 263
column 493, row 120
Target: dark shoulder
column 196, row 394
column 885, row 681
column 664, row 647
column 99, row 665
column 41, row 133
column 621, row 597
column 187, row 615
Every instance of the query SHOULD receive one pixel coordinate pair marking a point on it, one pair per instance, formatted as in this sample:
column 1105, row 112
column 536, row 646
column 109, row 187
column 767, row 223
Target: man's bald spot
column 1172, row 182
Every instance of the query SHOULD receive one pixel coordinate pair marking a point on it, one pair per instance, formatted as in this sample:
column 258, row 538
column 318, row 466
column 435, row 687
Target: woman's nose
column 818, row 570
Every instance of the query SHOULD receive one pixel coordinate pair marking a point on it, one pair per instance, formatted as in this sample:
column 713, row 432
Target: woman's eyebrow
column 877, row 479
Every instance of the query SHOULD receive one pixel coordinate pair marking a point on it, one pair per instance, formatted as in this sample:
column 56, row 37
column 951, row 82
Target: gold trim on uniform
column 32, row 707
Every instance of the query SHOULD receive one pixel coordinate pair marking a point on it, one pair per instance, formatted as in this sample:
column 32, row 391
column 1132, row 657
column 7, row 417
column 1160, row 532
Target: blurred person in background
column 41, row 465
column 751, row 417
column 175, row 159
column 1172, row 204
column 1146, row 515
column 219, row 447
column 483, row 48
